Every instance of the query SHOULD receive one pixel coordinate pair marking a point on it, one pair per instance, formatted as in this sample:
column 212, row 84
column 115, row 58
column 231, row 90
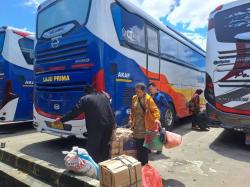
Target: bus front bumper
column 78, row 128
column 228, row 120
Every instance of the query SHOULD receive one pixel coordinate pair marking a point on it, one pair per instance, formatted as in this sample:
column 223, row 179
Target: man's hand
column 58, row 120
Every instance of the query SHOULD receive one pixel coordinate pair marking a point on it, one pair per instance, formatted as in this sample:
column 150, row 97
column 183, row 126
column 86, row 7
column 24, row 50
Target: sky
column 189, row 17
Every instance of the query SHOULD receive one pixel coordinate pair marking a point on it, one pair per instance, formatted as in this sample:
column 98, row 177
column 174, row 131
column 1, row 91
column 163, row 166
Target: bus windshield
column 62, row 11
column 233, row 24
column 2, row 34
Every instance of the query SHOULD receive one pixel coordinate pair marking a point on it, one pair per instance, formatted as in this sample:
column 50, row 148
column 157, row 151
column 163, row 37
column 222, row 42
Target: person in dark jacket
column 100, row 122
column 159, row 99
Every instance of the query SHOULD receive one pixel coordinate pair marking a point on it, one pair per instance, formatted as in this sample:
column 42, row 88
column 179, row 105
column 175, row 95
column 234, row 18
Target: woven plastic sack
column 153, row 141
column 151, row 177
column 79, row 161
column 172, row 140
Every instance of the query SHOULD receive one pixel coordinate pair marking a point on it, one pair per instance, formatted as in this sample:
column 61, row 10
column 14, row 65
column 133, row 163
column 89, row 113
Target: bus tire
column 169, row 118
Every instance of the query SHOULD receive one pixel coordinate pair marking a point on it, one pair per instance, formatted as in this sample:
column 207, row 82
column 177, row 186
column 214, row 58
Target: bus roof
column 21, row 32
column 134, row 9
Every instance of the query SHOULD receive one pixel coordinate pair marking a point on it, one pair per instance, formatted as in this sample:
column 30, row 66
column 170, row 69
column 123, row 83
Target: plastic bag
column 79, row 161
column 172, row 140
column 153, row 141
column 151, row 177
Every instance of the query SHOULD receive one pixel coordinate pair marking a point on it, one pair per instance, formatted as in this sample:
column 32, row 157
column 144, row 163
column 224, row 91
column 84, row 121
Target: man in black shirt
column 100, row 122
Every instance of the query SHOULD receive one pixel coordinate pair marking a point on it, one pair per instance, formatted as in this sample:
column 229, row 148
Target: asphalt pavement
column 216, row 158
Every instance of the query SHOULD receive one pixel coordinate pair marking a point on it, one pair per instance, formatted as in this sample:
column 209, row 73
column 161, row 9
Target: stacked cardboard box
column 123, row 143
column 122, row 171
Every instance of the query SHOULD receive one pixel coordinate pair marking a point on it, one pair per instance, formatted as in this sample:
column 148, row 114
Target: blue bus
column 16, row 75
column 112, row 45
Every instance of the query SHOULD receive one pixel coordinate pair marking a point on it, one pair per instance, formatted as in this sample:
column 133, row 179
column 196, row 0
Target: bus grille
column 239, row 53
column 73, row 51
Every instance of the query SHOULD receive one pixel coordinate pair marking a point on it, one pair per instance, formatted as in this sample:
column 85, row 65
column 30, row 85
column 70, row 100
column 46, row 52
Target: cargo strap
column 129, row 168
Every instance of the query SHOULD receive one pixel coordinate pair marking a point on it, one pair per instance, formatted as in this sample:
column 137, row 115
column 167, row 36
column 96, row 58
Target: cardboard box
column 122, row 171
column 123, row 143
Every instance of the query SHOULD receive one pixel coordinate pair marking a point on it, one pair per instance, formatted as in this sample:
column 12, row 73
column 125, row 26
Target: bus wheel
column 169, row 118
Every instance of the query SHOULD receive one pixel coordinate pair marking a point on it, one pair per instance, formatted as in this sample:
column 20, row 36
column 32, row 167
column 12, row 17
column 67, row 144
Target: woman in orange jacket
column 144, row 116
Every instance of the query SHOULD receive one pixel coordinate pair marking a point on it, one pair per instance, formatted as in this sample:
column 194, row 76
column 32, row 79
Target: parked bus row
column 113, row 45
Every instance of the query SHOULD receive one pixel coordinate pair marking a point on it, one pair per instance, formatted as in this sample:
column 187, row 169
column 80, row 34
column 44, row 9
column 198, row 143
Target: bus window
column 153, row 53
column 2, row 35
column 197, row 60
column 184, row 53
column 27, row 48
column 130, row 28
column 152, row 35
column 232, row 24
column 168, row 46
column 62, row 12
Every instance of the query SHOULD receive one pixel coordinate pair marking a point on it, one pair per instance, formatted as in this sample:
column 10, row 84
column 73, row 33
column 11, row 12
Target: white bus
column 113, row 45
column 16, row 75
column 228, row 66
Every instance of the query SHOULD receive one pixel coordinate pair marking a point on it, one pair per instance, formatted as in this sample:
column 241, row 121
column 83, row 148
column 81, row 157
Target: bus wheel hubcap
column 169, row 117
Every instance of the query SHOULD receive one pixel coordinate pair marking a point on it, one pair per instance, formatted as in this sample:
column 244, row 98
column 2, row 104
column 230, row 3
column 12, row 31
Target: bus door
column 25, row 78
column 153, row 58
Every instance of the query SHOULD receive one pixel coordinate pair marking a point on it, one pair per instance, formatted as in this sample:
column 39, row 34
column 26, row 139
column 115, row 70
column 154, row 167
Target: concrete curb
column 44, row 170
column 10, row 176
column 7, row 180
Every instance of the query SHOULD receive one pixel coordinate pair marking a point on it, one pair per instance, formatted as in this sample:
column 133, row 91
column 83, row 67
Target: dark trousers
column 142, row 152
column 98, row 144
column 194, row 118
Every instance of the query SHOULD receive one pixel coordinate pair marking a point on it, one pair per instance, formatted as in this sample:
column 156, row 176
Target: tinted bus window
column 184, row 53
column 200, row 63
column 62, row 12
column 2, row 35
column 168, row 46
column 27, row 48
column 233, row 24
column 130, row 28
column 152, row 35
column 194, row 59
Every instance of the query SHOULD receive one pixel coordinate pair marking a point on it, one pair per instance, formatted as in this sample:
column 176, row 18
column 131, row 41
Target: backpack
column 192, row 104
